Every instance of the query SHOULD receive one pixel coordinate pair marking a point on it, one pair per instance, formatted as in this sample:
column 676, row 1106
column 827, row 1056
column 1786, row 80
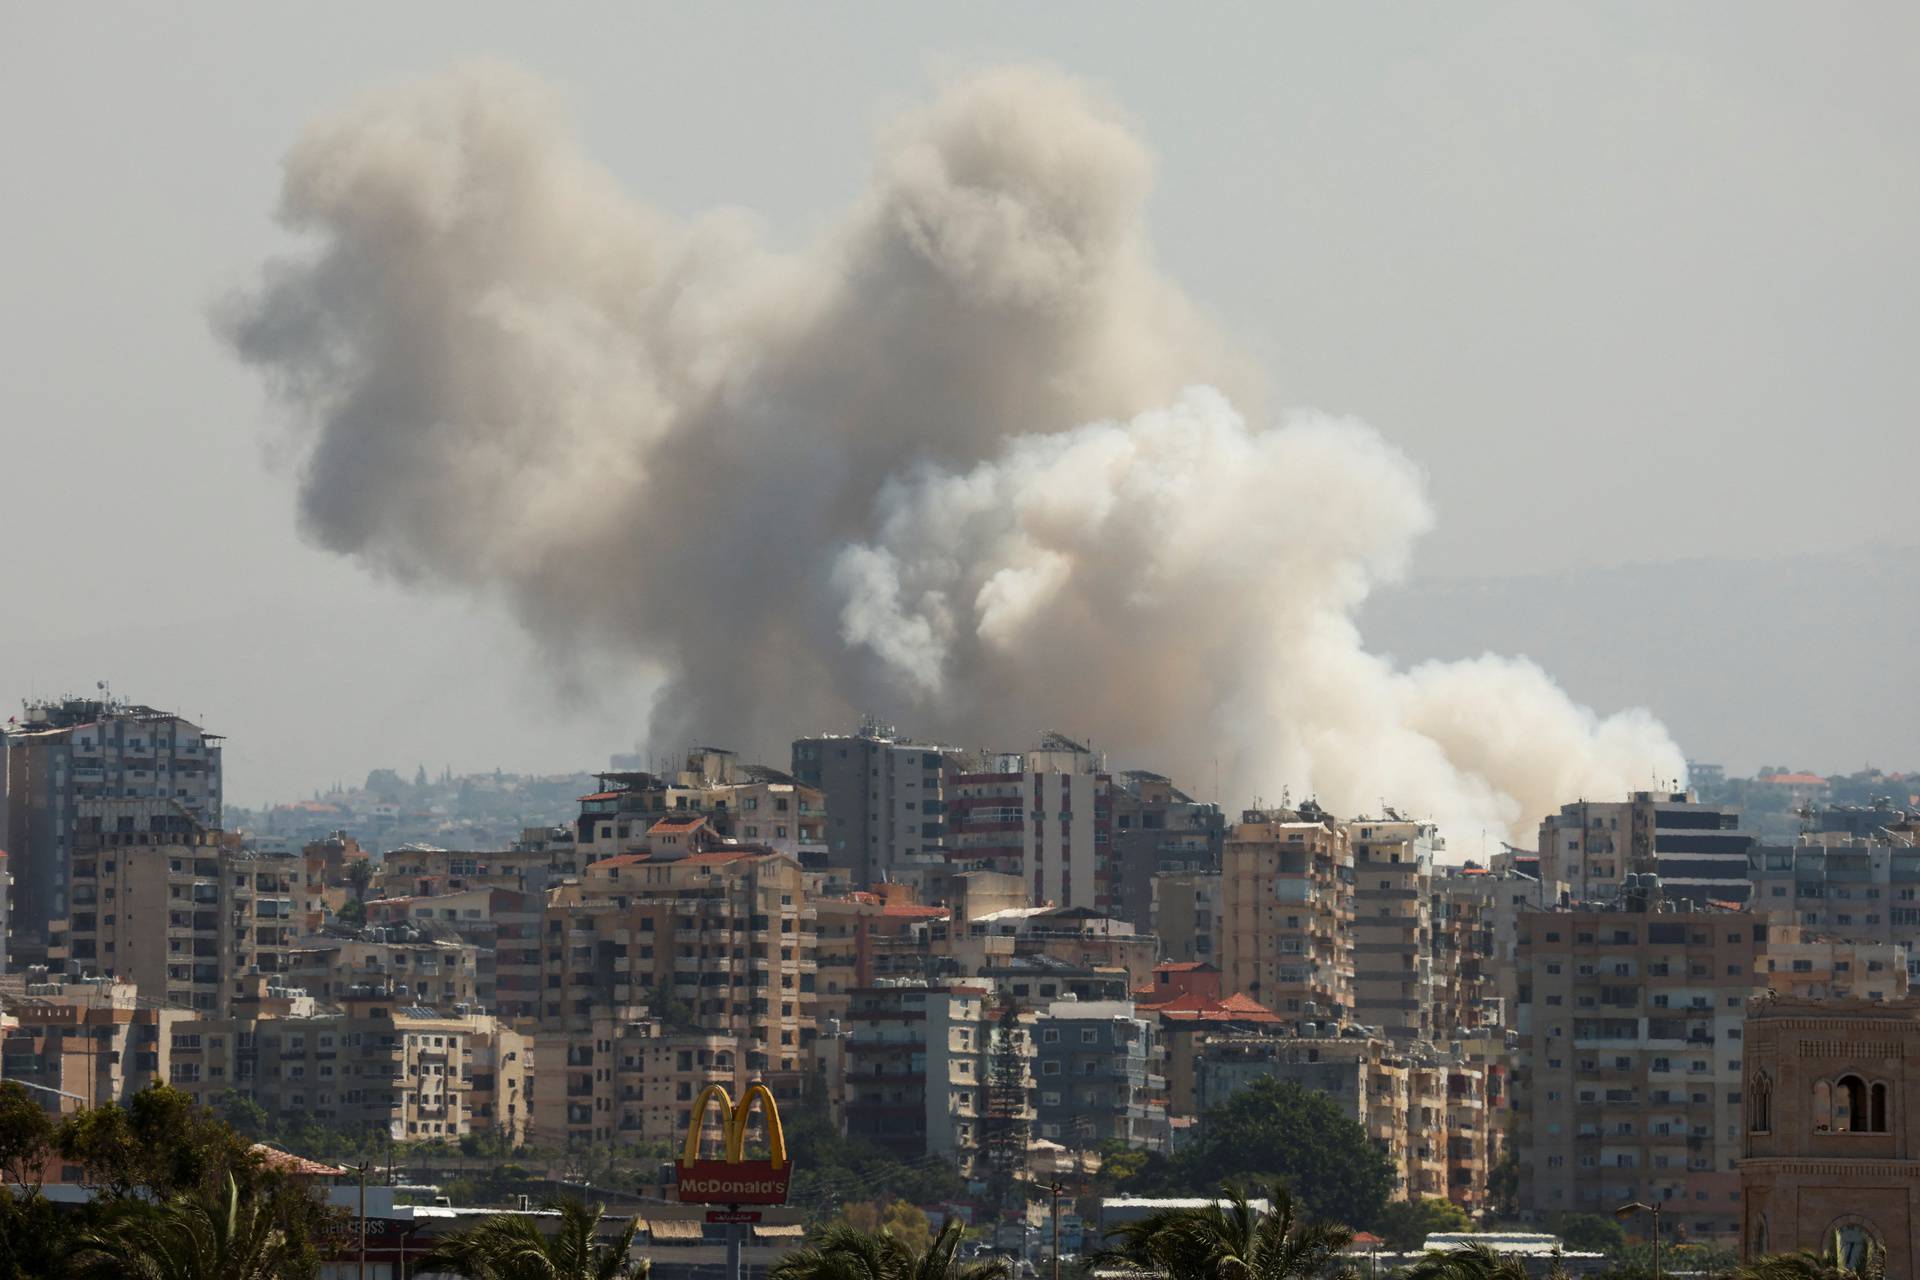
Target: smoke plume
column 970, row 457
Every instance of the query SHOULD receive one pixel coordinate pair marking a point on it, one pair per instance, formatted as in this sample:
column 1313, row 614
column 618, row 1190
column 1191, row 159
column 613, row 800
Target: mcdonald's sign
column 734, row 1179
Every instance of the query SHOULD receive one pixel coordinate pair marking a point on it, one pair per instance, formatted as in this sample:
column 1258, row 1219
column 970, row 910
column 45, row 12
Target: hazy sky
column 1634, row 284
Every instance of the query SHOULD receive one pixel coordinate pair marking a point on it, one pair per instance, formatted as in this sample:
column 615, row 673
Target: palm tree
column 1234, row 1241
column 1468, row 1262
column 513, row 1247
column 848, row 1253
column 210, row 1236
column 1832, row 1264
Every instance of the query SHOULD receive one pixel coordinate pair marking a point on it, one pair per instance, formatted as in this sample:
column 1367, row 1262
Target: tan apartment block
column 83, row 1043
column 1186, row 915
column 1630, row 1069
column 1287, row 912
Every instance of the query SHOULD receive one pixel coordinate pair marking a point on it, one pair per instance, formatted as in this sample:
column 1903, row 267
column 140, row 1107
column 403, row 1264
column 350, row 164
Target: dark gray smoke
column 963, row 458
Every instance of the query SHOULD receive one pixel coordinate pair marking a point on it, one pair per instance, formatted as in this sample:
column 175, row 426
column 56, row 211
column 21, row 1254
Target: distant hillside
column 1811, row 661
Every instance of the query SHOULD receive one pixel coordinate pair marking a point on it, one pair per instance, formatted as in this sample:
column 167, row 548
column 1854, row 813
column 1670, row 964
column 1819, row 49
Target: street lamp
column 1626, row 1211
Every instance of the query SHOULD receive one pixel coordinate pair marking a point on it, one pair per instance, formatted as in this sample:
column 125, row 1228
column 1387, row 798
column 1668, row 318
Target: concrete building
column 1427, row 1111
column 919, row 1061
column 62, row 754
column 615, row 1079
column 1186, row 915
column 1045, row 815
column 1393, row 935
column 1859, row 887
column 442, row 974
column 1831, row 1124
column 1698, row 850
column 1628, row 1084
column 376, row 1066
column 175, row 907
column 727, row 938
column 1157, row 829
column 884, row 794
column 738, row 803
column 1287, row 902
column 864, row 937
column 1099, row 1074
column 83, row 1043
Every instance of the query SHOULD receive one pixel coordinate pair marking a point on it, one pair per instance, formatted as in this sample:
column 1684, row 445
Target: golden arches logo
column 734, row 1124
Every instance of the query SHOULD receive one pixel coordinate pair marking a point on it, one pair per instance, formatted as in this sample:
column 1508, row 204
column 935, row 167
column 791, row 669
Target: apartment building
column 1477, row 973
column 739, row 803
column 864, row 937
column 1698, row 850
column 1157, row 829
column 82, row 1042
column 376, row 1066
column 1861, row 887
column 1045, row 815
column 1393, row 935
column 1287, row 905
column 615, row 1079
column 175, row 907
column 1098, row 1068
column 64, row 753
column 919, row 1063
column 1805, row 964
column 1628, row 1083
column 1186, row 915
column 727, row 939
column 1425, row 1109
column 885, row 798
column 443, row 974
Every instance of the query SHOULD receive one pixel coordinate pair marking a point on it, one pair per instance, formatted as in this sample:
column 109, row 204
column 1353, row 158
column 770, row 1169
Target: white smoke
column 962, row 457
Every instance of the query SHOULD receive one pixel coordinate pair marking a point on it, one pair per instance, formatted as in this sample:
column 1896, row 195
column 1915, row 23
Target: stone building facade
column 1832, row 1120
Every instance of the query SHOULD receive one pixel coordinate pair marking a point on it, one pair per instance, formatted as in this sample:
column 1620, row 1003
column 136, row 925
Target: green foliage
column 160, row 1143
column 1230, row 1242
column 35, row 1237
column 223, row 1235
column 514, row 1247
column 843, row 1252
column 1635, row 1261
column 26, row 1136
column 901, row 1219
column 1275, row 1131
column 675, row 1014
column 1406, row 1224
column 831, row 1169
column 1590, row 1233
column 1468, row 1262
column 1830, row 1263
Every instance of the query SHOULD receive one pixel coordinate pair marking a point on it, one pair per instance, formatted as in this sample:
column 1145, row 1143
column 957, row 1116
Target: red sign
column 733, row 1181
column 733, row 1215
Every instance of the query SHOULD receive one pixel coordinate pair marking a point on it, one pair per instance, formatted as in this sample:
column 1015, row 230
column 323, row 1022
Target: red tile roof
column 602, row 795
column 620, row 860
column 1796, row 780
column 726, row 855
column 909, row 911
column 299, row 1166
column 1180, row 966
column 671, row 825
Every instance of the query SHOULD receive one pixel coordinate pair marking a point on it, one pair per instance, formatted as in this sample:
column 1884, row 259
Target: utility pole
column 364, row 1162
column 1055, row 1190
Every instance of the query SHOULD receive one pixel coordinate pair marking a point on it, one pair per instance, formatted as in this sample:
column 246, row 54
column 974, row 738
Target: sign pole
column 734, row 1230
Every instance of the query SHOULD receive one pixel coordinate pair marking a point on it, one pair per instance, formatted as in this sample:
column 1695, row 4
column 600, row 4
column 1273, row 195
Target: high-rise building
column 885, row 797
column 1393, row 934
column 1628, row 1085
column 1698, row 850
column 1186, row 915
column 61, row 754
column 1286, row 890
column 1100, row 1075
column 179, row 909
column 1045, row 815
column 1157, row 829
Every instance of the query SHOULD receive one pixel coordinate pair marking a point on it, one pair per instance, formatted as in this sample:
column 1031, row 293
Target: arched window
column 1760, row 1236
column 1760, row 1104
column 1822, row 1107
column 1879, row 1108
column 1850, row 1105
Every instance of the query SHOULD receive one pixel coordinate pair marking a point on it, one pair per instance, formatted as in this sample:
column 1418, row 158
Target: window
column 1760, row 1104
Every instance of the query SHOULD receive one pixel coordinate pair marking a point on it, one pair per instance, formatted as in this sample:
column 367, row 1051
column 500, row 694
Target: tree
column 1003, row 1122
column 1406, row 1224
column 360, row 877
column 1234, row 1241
column 36, row 1237
column 244, row 1115
column 1468, row 1262
column 513, row 1247
column 1832, row 1263
column 1276, row 1131
column 222, row 1236
column 847, row 1253
column 26, row 1136
column 903, row 1220
column 160, row 1143
column 1590, row 1233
